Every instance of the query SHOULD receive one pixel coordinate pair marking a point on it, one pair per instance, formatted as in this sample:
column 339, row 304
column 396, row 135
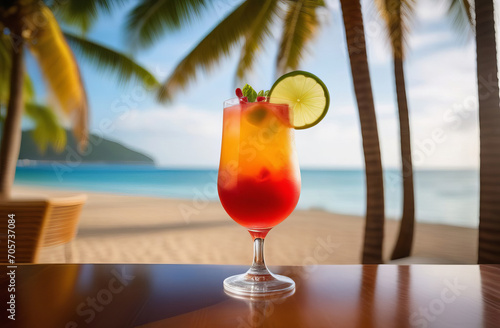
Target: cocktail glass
column 258, row 183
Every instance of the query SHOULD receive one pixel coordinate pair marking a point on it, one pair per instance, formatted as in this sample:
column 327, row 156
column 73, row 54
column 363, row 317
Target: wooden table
column 117, row 295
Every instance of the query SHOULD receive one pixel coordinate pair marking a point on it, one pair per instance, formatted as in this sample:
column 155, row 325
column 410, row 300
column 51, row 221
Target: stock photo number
column 11, row 258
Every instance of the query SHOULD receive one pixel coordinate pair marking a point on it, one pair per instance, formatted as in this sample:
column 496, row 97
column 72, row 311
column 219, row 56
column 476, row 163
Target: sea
column 448, row 197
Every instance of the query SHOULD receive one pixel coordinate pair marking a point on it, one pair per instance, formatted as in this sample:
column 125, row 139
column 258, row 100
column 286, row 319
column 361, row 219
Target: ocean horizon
column 441, row 196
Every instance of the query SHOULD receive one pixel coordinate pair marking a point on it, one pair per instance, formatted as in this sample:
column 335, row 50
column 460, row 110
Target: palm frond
column 460, row 13
column 61, row 72
column 300, row 25
column 256, row 36
column 83, row 14
column 5, row 65
column 29, row 90
column 397, row 15
column 48, row 130
column 107, row 59
column 5, row 49
column 150, row 19
column 216, row 45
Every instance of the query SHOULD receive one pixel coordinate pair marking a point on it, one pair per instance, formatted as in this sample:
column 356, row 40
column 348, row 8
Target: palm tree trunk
column 374, row 226
column 11, row 135
column 405, row 238
column 489, row 134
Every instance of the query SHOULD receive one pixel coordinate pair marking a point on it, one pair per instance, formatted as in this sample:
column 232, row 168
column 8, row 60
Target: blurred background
column 122, row 101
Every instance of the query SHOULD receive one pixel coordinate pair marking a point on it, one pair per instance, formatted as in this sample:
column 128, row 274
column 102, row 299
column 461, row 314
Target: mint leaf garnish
column 250, row 93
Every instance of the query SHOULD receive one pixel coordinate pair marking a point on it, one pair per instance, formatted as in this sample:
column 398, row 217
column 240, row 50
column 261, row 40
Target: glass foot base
column 248, row 284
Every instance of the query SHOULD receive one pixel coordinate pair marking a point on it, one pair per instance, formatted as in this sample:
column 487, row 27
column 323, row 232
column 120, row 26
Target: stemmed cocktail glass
column 258, row 183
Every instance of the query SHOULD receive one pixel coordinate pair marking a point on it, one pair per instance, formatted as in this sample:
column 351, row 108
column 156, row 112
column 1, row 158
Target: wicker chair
column 39, row 223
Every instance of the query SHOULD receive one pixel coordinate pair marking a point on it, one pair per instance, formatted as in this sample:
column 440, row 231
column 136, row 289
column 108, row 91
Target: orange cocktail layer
column 259, row 181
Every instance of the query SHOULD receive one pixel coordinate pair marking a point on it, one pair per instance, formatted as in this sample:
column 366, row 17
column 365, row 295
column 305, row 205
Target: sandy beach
column 135, row 229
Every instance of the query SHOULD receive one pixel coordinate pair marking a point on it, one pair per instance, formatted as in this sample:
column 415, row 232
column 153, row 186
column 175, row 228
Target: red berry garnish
column 243, row 100
column 261, row 98
column 239, row 93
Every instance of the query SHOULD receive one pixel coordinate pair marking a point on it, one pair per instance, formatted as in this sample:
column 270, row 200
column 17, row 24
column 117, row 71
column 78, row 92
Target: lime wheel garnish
column 305, row 94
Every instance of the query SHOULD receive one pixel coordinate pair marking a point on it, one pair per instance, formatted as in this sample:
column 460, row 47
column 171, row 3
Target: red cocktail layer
column 260, row 202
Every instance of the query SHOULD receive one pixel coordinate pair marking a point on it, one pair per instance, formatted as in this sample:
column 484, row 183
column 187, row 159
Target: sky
column 440, row 79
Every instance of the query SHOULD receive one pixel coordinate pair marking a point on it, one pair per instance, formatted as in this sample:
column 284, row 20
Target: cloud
column 428, row 40
column 178, row 136
column 334, row 142
column 179, row 118
column 429, row 11
column 441, row 82
column 427, row 14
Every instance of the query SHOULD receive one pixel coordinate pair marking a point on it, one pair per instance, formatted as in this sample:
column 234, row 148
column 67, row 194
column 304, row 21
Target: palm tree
column 489, row 120
column 251, row 22
column 356, row 46
column 395, row 14
column 489, row 133
column 31, row 25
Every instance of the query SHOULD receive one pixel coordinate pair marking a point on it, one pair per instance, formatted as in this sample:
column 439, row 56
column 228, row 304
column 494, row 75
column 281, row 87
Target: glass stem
column 258, row 266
